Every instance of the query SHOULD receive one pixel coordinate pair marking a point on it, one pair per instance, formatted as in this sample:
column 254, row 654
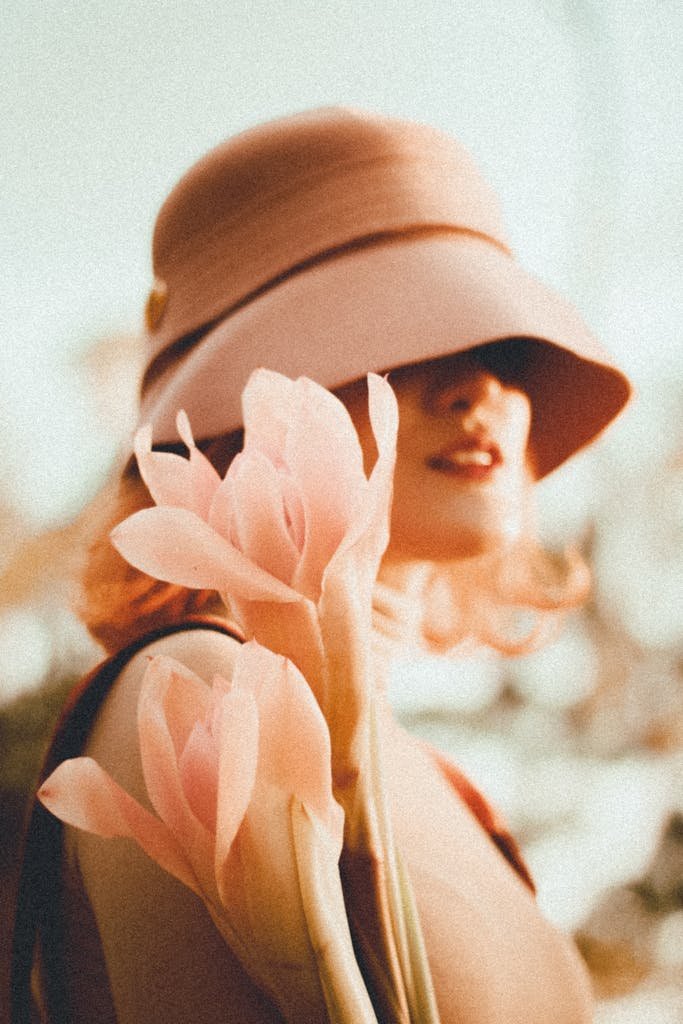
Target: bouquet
column 291, row 538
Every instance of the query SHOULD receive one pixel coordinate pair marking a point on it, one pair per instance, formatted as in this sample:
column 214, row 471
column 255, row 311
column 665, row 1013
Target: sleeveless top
column 42, row 973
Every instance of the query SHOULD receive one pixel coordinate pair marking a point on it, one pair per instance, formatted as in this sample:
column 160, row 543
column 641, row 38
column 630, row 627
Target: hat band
column 178, row 349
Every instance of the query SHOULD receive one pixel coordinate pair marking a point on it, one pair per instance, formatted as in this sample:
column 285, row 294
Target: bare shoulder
column 206, row 652
column 474, row 909
column 165, row 961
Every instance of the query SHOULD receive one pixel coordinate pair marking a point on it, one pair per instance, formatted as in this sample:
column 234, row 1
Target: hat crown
column 288, row 191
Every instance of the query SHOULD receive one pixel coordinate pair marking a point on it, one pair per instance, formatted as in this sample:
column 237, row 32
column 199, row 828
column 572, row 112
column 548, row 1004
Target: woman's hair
column 117, row 602
column 509, row 601
column 512, row 601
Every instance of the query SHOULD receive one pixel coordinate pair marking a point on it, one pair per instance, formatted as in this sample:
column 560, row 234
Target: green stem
column 346, row 996
column 402, row 906
column 389, row 943
column 423, row 1006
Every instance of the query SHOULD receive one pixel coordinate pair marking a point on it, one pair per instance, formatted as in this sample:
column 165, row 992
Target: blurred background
column 572, row 109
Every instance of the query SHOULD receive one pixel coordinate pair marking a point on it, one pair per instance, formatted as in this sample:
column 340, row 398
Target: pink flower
column 291, row 538
column 239, row 776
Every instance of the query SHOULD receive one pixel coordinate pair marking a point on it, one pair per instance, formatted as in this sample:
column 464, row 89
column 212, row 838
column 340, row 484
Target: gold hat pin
column 156, row 304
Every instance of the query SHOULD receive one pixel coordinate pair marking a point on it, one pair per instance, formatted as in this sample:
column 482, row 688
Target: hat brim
column 390, row 305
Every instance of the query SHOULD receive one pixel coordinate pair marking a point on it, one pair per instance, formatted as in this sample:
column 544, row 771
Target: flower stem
column 346, row 996
column 402, row 906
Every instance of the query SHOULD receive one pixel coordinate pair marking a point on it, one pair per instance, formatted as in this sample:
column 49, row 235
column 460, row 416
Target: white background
column 570, row 108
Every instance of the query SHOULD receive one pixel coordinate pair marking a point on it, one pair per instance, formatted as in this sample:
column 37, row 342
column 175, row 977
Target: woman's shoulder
column 150, row 927
column 205, row 648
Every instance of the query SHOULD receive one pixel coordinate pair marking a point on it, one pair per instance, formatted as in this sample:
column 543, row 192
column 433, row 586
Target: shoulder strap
column 488, row 818
column 38, row 895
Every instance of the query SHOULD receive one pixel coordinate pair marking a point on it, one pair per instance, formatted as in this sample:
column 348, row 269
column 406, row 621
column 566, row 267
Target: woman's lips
column 467, row 460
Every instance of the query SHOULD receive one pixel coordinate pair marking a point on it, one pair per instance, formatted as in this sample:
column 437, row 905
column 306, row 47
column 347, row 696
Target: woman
column 331, row 244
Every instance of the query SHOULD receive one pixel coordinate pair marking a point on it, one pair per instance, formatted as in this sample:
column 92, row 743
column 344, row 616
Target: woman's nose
column 467, row 396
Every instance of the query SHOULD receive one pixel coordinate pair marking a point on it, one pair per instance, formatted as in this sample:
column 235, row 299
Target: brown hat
column 337, row 242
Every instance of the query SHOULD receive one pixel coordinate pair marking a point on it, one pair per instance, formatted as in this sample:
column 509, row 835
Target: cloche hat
column 336, row 242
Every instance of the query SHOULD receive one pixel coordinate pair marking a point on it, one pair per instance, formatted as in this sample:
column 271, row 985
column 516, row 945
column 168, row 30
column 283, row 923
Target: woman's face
column 464, row 474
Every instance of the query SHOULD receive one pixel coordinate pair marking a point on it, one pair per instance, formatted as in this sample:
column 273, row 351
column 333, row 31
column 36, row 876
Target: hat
column 337, row 242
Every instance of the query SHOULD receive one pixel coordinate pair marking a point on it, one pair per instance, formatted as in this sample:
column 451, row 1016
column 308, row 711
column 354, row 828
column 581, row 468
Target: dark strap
column 38, row 908
column 488, row 818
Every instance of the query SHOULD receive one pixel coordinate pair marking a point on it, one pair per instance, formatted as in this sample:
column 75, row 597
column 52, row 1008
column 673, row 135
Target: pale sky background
column 571, row 108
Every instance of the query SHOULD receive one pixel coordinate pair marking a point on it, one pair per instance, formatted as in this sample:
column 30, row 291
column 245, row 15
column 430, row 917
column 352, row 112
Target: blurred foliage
column 26, row 725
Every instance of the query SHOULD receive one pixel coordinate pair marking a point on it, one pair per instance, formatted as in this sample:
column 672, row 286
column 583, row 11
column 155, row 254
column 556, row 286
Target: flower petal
column 324, row 458
column 320, row 424
column 175, row 545
column 372, row 520
column 260, row 528
column 238, row 745
column 198, row 769
column 183, row 695
column 203, row 477
column 294, row 747
column 168, row 698
column 221, row 515
column 368, row 533
column 266, row 406
column 172, row 479
column 81, row 793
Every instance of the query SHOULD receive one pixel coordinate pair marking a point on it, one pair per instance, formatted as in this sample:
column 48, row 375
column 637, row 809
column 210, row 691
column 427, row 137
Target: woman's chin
column 447, row 543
